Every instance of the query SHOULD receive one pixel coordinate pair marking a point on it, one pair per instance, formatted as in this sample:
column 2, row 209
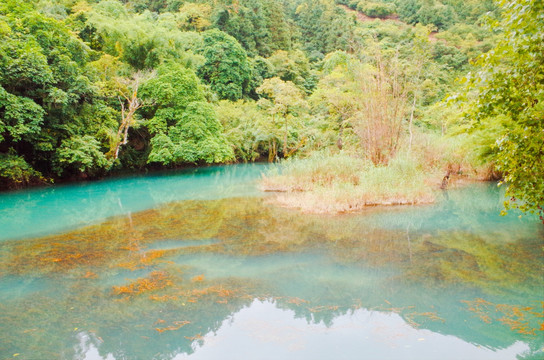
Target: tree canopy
column 510, row 89
column 93, row 87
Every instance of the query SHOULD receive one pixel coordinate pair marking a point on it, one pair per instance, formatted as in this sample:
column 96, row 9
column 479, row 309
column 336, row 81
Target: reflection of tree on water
column 321, row 267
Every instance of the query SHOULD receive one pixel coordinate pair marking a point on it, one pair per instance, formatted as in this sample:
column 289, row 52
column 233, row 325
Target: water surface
column 199, row 265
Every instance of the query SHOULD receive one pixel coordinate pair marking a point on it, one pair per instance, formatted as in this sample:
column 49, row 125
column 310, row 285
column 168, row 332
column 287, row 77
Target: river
column 199, row 264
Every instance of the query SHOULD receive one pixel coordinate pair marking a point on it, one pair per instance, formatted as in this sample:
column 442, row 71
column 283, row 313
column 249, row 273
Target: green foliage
column 376, row 9
column 510, row 84
column 260, row 26
column 427, row 13
column 184, row 127
column 43, row 85
column 19, row 116
column 65, row 67
column 450, row 56
column 285, row 104
column 197, row 137
column 324, row 26
column 195, row 16
column 247, row 129
column 15, row 172
column 172, row 90
column 81, row 153
column 141, row 40
column 291, row 66
column 226, row 68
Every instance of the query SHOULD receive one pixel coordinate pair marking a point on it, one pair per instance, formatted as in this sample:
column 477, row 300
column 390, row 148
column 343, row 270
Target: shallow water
column 198, row 265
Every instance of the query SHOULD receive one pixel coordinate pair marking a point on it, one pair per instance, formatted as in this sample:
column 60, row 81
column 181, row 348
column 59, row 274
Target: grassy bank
column 336, row 183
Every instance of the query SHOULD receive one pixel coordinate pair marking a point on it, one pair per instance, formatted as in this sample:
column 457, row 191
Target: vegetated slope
column 88, row 89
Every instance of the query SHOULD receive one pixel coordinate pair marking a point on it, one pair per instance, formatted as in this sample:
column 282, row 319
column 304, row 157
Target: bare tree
column 130, row 103
column 383, row 105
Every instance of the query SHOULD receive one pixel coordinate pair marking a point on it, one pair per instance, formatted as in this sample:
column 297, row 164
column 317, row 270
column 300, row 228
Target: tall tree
column 226, row 68
column 283, row 101
column 184, row 127
column 384, row 96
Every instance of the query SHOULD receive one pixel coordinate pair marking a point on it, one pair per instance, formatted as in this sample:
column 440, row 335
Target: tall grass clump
column 462, row 156
column 333, row 183
column 322, row 168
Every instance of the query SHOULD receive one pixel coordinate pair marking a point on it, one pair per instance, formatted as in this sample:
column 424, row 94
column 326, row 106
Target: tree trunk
column 411, row 122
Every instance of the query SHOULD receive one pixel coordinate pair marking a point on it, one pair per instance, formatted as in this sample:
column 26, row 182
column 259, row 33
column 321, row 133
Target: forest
column 383, row 99
column 271, row 179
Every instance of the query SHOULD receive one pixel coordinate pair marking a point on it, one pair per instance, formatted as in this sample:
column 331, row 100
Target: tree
column 291, row 66
column 421, row 50
column 339, row 91
column 383, row 106
column 195, row 16
column 82, row 153
column 246, row 128
column 226, row 68
column 171, row 90
column 46, row 95
column 283, row 101
column 130, row 102
column 510, row 86
column 198, row 136
column 183, row 126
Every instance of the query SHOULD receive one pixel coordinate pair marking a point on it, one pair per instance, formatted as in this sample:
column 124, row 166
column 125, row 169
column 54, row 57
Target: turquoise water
column 200, row 265
column 46, row 210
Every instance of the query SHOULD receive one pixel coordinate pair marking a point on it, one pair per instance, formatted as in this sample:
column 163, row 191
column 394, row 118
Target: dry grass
column 327, row 183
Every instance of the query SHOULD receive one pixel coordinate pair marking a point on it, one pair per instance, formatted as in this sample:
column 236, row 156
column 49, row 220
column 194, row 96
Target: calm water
column 199, row 265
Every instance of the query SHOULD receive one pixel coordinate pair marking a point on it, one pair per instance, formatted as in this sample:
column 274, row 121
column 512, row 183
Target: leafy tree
column 183, row 126
column 45, row 92
column 226, row 68
column 15, row 172
column 421, row 51
column 260, row 26
column 195, row 16
column 19, row 117
column 339, row 92
column 284, row 102
column 426, row 12
column 291, row 66
column 141, row 40
column 376, row 9
column 82, row 153
column 510, row 85
column 171, row 91
column 247, row 128
column 195, row 138
column 325, row 27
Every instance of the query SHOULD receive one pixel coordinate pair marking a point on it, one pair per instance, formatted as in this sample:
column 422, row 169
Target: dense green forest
column 451, row 87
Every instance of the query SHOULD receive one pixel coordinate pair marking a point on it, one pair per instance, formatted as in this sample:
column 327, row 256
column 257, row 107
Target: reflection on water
column 262, row 328
column 235, row 277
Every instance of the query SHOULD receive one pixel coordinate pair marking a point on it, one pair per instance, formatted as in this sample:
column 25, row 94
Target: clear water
column 199, row 265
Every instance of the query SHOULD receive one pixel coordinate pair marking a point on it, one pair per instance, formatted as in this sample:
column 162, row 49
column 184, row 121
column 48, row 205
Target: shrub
column 15, row 172
column 375, row 9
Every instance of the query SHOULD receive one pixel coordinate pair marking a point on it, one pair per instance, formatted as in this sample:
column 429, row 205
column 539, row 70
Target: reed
column 341, row 182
